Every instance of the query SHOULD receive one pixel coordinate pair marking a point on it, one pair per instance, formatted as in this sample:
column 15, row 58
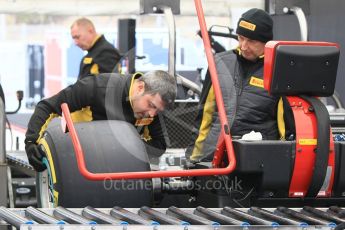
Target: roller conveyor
column 167, row 218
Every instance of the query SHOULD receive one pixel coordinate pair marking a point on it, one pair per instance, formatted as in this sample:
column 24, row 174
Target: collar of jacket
column 98, row 38
column 130, row 87
column 239, row 53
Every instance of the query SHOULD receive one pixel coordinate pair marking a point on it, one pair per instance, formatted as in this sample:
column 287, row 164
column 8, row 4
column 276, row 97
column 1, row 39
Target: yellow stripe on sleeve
column 205, row 126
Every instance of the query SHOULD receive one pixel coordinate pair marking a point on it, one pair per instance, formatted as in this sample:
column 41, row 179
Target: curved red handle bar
column 225, row 137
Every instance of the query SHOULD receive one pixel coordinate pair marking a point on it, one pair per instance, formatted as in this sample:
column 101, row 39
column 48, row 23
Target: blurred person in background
column 101, row 57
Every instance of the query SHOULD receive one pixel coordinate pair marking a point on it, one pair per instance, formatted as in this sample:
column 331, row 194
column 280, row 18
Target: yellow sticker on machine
column 307, row 141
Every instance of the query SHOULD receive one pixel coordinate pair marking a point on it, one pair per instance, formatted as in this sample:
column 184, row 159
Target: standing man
column 248, row 105
column 136, row 99
column 101, row 57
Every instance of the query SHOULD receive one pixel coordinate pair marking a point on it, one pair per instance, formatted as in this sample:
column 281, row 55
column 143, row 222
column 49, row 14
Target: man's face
column 145, row 104
column 82, row 36
column 250, row 49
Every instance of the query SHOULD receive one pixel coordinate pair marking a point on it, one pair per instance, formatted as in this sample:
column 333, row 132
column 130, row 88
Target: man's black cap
column 256, row 24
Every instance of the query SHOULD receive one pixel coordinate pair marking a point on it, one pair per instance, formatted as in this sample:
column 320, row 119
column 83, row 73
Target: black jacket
column 248, row 105
column 102, row 57
column 107, row 98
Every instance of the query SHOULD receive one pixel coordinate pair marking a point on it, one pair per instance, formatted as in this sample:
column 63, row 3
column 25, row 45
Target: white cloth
column 252, row 136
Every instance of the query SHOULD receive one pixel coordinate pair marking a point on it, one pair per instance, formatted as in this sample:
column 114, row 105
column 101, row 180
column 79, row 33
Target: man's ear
column 140, row 87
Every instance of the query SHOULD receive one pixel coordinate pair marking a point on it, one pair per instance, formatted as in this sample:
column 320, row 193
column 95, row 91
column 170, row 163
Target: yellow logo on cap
column 247, row 25
column 256, row 82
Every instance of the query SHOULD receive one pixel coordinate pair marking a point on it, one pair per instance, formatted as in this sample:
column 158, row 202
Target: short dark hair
column 161, row 82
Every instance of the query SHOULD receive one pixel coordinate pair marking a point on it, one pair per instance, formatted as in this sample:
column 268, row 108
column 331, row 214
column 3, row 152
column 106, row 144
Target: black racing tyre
column 109, row 146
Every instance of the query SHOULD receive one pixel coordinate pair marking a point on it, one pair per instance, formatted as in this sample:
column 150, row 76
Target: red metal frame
column 306, row 136
column 225, row 137
column 225, row 132
column 306, row 129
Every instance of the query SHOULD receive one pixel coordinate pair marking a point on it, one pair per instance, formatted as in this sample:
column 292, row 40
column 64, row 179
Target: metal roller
column 71, row 217
column 340, row 212
column 305, row 217
column 189, row 217
column 41, row 217
column 150, row 213
column 13, row 218
column 130, row 217
column 245, row 216
column 259, row 212
column 222, row 219
column 100, row 217
column 322, row 214
column 16, row 218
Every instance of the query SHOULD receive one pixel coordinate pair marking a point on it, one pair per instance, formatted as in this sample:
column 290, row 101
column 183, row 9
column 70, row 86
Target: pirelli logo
column 307, row 141
column 247, row 25
column 87, row 60
column 256, row 82
column 143, row 121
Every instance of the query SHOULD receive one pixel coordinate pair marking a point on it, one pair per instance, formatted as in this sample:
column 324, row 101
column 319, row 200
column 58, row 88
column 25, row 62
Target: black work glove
column 35, row 156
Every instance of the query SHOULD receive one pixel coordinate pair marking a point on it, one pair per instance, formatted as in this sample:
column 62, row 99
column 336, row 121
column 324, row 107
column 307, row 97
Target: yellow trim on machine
column 307, row 141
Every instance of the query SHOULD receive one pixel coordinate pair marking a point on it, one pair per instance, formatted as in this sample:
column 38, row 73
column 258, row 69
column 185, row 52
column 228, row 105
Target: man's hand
column 35, row 156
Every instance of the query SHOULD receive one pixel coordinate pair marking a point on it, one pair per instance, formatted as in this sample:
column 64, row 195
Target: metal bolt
column 192, row 199
column 292, row 62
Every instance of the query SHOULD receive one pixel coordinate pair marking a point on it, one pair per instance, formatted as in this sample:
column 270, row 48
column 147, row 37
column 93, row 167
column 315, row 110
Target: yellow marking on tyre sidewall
column 52, row 168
